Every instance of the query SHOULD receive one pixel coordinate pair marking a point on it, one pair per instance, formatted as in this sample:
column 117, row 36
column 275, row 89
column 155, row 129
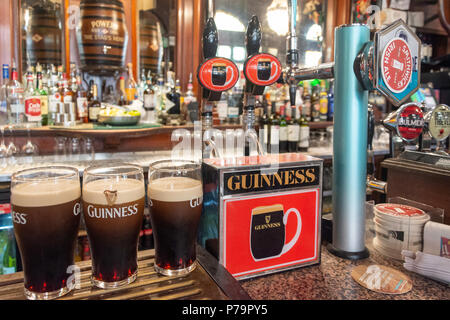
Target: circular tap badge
column 262, row 69
column 439, row 124
column 396, row 65
column 218, row 74
column 410, row 122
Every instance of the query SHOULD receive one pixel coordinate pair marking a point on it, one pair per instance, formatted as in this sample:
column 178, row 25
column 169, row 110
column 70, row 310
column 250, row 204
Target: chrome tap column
column 349, row 146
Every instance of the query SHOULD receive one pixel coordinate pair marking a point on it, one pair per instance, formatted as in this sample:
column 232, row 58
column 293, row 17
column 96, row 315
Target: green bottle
column 9, row 256
column 42, row 94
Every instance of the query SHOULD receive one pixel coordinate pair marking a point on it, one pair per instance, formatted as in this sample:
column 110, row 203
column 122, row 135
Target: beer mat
column 92, row 126
column 382, row 279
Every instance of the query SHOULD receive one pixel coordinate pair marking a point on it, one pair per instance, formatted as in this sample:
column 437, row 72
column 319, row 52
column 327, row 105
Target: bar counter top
column 332, row 280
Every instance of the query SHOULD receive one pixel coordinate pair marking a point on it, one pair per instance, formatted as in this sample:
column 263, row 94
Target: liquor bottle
column 173, row 97
column 274, row 131
column 160, row 95
column 131, row 88
column 293, row 131
column 16, row 103
column 283, row 130
column 43, row 95
column 4, row 96
column 67, row 96
column 108, row 95
column 90, row 92
column 315, row 102
column 32, row 102
column 189, row 98
column 142, row 86
column 82, row 102
column 303, row 143
column 330, row 101
column 323, row 102
column 122, row 101
column 306, row 108
column 94, row 105
column 9, row 256
column 149, row 103
column 54, row 97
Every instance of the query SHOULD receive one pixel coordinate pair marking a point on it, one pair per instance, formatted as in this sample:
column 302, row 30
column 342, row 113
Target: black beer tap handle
column 253, row 36
column 210, row 39
column 370, row 127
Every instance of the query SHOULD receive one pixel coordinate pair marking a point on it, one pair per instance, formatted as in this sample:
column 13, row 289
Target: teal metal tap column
column 349, row 146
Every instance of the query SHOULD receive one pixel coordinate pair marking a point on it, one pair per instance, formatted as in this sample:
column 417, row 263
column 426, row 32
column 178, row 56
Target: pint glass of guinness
column 45, row 208
column 175, row 194
column 113, row 209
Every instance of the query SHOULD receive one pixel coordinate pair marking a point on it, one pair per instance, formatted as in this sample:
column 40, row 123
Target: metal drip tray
column 208, row 281
column 439, row 160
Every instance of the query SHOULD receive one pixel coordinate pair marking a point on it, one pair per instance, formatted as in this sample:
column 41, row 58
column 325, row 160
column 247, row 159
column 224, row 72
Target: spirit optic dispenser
column 389, row 64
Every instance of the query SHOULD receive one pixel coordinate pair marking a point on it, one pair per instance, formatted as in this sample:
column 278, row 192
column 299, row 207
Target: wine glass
column 29, row 149
column 12, row 150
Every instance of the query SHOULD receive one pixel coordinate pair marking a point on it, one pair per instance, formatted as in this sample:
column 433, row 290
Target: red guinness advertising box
column 262, row 214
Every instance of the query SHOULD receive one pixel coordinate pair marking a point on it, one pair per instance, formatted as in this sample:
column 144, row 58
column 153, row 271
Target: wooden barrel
column 102, row 35
column 42, row 38
column 151, row 47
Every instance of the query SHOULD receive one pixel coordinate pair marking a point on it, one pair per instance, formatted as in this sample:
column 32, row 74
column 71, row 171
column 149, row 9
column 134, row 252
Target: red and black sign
column 396, row 65
column 218, row 74
column 262, row 69
column 410, row 122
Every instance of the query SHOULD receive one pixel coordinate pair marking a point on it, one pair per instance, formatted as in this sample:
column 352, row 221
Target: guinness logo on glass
column 111, row 196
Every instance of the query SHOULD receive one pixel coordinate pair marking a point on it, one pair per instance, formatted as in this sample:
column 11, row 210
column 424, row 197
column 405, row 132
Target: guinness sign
column 283, row 178
column 262, row 214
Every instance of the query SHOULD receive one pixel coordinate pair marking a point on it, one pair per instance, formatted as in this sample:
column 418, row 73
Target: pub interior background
column 159, row 59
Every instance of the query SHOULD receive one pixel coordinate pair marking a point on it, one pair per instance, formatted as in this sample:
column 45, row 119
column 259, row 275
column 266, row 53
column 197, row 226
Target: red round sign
column 410, row 122
column 218, row 74
column 396, row 65
column 399, row 210
column 262, row 69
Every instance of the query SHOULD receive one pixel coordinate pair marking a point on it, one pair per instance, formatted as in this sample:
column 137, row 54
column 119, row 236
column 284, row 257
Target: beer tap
column 260, row 70
column 359, row 65
column 215, row 75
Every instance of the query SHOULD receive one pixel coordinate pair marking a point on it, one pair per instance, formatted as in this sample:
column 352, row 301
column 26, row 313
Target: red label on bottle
column 33, row 107
column 218, row 74
column 410, row 122
column 262, row 69
column 396, row 65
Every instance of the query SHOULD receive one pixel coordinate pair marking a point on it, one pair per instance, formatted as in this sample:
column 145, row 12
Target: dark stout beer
column 46, row 219
column 175, row 209
column 113, row 211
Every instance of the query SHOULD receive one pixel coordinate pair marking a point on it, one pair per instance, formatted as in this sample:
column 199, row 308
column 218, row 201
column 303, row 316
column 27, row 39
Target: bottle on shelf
column 82, row 102
column 323, row 102
column 32, row 102
column 122, row 100
column 54, row 97
column 330, row 111
column 306, row 97
column 4, row 96
column 303, row 143
column 9, row 256
column 315, row 102
column 188, row 98
column 131, row 87
column 274, row 131
column 142, row 86
column 94, row 105
column 283, row 130
column 293, row 131
column 67, row 96
column 43, row 95
column 149, row 103
column 173, row 97
column 16, row 103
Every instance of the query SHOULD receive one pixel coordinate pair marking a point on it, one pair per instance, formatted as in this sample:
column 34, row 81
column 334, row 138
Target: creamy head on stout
column 45, row 193
column 175, row 189
column 128, row 190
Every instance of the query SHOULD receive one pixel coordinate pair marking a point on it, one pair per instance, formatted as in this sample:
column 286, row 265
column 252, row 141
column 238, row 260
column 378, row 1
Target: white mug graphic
column 268, row 231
